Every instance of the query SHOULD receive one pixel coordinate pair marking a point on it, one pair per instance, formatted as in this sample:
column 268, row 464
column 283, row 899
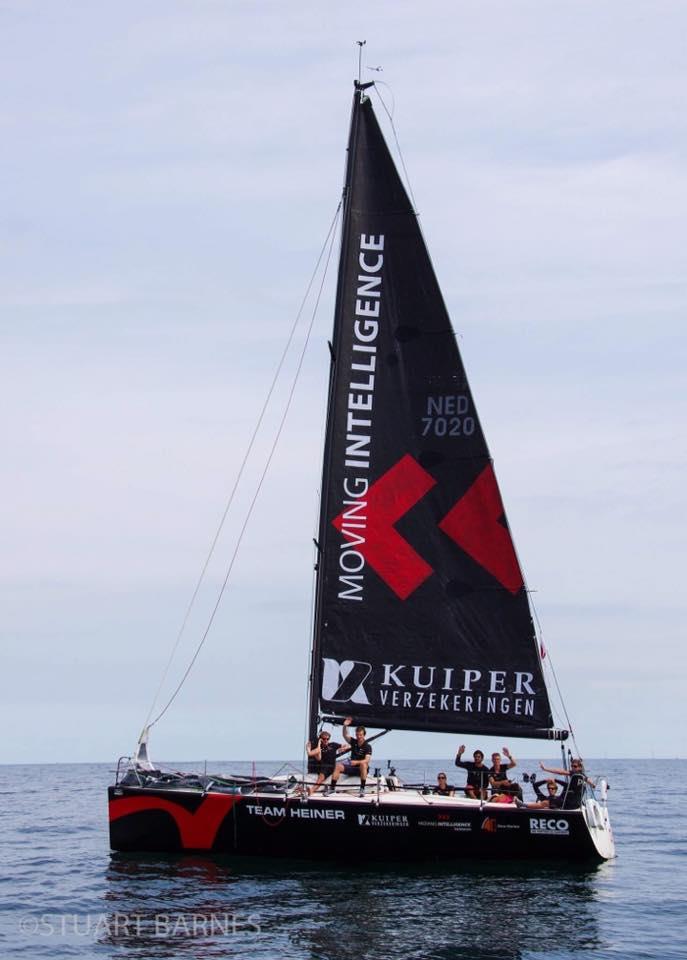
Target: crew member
column 323, row 754
column 577, row 780
column 478, row 775
column 359, row 761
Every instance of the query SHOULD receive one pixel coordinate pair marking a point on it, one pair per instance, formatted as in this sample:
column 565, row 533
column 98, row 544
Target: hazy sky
column 168, row 174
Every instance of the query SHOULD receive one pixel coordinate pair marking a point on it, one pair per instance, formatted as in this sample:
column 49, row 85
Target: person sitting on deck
column 499, row 781
column 323, row 757
column 478, row 775
column 444, row 789
column 361, row 751
column 551, row 800
column 574, row 788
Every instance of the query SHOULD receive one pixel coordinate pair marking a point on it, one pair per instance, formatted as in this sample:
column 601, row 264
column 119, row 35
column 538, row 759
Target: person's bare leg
column 338, row 770
column 316, row 786
column 362, row 770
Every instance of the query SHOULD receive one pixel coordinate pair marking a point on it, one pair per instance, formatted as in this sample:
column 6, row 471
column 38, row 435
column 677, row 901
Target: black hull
column 342, row 828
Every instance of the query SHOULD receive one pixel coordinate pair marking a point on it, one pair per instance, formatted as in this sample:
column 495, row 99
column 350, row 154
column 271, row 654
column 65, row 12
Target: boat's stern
column 595, row 812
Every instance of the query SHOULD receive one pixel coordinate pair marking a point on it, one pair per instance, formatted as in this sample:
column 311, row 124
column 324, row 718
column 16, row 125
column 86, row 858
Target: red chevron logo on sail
column 387, row 552
column 474, row 523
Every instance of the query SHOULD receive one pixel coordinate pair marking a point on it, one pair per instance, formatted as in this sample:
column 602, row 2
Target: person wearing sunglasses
column 575, row 785
column 443, row 787
column 551, row 800
column 322, row 758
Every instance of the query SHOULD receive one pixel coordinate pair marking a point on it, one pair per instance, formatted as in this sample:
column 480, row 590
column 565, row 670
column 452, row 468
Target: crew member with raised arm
column 478, row 775
column 361, row 751
column 577, row 779
column 323, row 756
column 498, row 779
column 551, row 800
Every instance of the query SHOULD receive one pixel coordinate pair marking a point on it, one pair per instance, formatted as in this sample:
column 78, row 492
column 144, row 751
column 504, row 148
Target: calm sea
column 65, row 895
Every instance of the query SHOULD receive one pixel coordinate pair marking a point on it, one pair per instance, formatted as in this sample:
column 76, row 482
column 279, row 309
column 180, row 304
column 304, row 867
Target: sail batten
column 422, row 619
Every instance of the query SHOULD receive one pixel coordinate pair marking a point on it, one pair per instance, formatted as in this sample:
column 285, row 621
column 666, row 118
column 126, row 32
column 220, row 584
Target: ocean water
column 64, row 894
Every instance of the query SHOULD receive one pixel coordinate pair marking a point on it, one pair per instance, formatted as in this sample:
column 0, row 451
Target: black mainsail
column 422, row 620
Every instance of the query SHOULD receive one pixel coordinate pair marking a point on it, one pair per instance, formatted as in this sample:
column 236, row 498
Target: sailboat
column 422, row 619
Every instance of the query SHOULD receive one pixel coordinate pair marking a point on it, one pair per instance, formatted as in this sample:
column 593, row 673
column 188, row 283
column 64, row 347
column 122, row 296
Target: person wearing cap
column 322, row 758
column 575, row 785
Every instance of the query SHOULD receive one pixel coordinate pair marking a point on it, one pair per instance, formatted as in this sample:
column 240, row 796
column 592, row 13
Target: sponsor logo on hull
column 458, row 825
column 549, row 826
column 382, row 820
column 297, row 813
column 491, row 825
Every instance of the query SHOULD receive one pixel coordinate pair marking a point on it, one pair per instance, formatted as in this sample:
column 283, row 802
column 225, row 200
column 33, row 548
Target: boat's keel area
column 390, row 824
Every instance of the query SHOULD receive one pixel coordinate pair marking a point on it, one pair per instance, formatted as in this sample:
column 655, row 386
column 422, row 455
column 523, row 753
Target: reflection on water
column 220, row 907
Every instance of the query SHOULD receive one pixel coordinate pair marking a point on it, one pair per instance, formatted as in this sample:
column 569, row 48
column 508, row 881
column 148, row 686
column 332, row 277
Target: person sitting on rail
column 478, row 775
column 361, row 751
column 322, row 758
column 575, row 786
column 443, row 789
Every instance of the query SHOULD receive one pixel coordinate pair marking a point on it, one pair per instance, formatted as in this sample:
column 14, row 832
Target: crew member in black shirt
column 574, row 788
column 323, row 758
column 444, row 789
column 498, row 774
column 478, row 775
column 361, row 751
column 551, row 800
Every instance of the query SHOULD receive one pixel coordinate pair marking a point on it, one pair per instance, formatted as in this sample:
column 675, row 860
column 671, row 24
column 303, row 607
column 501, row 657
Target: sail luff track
column 315, row 668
